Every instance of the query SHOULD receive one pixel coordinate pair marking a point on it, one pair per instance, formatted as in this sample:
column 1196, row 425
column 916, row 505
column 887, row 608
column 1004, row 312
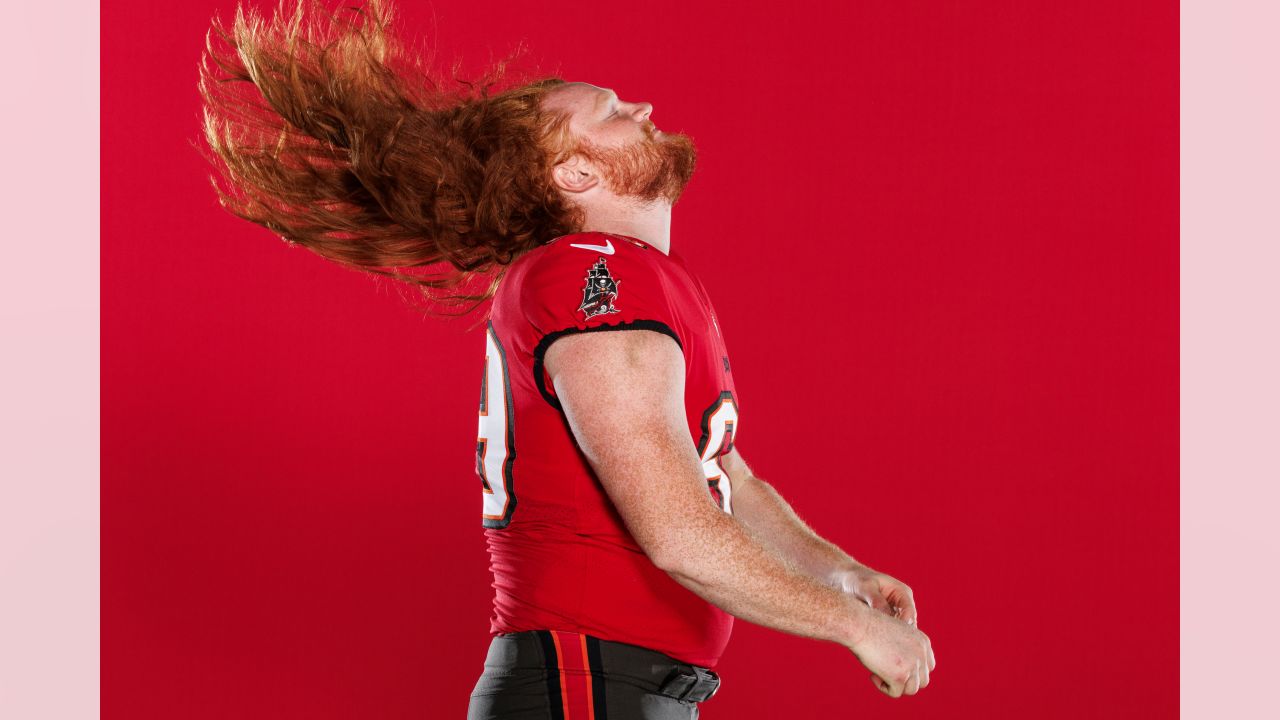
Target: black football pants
column 557, row 675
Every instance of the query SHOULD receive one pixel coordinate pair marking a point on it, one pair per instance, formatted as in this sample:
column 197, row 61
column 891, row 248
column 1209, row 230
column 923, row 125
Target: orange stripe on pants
column 575, row 677
column 591, row 701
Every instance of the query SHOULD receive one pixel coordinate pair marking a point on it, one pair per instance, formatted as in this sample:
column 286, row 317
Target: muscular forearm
column 733, row 570
column 624, row 403
column 771, row 519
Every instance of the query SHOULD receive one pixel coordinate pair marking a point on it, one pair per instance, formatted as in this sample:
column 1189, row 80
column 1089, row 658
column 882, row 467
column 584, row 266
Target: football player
column 626, row 530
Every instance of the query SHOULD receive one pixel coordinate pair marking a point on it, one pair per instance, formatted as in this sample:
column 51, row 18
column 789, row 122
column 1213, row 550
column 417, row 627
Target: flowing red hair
column 331, row 133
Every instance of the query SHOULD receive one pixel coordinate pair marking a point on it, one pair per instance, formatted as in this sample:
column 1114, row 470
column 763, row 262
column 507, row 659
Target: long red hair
column 331, row 133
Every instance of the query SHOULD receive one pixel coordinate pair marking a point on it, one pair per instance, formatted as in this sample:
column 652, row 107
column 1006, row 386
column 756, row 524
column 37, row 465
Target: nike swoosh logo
column 606, row 248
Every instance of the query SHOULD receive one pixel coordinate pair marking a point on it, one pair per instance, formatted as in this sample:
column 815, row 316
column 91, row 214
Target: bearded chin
column 647, row 170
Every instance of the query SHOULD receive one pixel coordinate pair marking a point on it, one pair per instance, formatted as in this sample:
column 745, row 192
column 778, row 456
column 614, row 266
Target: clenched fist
column 898, row 655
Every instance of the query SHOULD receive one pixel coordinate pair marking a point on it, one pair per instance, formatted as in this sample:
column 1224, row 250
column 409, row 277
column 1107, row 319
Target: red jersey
column 561, row 557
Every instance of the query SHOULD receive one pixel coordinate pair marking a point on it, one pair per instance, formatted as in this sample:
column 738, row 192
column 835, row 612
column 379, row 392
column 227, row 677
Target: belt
column 690, row 682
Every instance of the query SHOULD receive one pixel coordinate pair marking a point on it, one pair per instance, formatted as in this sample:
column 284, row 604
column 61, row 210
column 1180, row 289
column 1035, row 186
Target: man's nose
column 642, row 110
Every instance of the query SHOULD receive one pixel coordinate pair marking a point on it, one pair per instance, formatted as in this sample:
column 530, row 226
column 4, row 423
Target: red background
column 941, row 240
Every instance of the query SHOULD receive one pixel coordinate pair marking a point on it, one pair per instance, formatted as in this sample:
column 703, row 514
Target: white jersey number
column 718, row 425
column 495, row 447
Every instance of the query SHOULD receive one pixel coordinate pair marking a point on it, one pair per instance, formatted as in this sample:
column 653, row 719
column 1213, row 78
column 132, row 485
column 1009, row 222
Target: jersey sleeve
column 574, row 290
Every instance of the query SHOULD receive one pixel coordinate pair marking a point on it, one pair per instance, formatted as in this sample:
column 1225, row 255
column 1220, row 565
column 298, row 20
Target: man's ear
column 575, row 175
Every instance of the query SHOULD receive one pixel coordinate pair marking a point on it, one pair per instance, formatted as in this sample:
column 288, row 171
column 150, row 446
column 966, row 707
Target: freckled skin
column 623, row 395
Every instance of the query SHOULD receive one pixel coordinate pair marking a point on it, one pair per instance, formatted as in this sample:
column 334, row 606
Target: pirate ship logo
column 600, row 295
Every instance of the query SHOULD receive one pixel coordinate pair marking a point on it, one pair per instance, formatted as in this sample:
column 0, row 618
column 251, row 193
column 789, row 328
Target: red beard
column 648, row 169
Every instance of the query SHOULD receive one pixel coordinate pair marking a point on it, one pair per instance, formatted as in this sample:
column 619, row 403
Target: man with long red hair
column 625, row 529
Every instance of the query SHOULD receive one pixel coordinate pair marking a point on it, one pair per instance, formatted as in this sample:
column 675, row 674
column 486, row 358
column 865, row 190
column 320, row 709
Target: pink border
column 1230, row 352
column 49, row 387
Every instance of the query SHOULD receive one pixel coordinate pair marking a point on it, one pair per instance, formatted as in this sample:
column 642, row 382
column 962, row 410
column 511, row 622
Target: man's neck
column 650, row 223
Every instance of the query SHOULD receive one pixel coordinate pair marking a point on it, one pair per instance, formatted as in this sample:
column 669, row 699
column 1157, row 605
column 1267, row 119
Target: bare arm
column 622, row 394
column 771, row 518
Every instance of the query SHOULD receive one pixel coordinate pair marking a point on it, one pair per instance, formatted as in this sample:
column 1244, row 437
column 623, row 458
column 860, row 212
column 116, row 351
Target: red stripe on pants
column 575, row 675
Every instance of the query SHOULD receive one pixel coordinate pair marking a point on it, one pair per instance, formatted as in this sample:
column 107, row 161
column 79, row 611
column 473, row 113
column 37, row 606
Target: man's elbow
column 668, row 556
column 676, row 549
